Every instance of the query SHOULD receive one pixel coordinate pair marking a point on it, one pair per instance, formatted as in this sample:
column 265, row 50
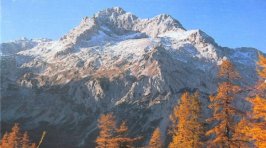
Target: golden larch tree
column 255, row 122
column 121, row 138
column 224, row 111
column 122, row 129
column 15, row 139
column 4, row 141
column 262, row 71
column 111, row 136
column 107, row 126
column 155, row 141
column 25, row 140
column 243, row 140
column 187, row 129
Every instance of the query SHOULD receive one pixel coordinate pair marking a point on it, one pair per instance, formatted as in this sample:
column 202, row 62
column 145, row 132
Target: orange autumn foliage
column 260, row 87
column 223, row 108
column 253, row 127
column 107, row 126
column 155, row 141
column 257, row 128
column 111, row 136
column 121, row 137
column 187, row 130
column 255, row 122
column 262, row 64
column 15, row 139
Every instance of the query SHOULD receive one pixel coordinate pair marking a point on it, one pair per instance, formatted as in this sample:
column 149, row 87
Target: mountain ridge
column 136, row 68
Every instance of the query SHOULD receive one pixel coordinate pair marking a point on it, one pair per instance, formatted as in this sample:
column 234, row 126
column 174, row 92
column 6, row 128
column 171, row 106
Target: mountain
column 111, row 62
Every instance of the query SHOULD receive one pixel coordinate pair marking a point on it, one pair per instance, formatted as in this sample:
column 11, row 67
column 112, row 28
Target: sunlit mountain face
column 112, row 62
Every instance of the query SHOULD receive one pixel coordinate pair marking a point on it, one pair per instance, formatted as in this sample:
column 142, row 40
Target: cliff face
column 111, row 62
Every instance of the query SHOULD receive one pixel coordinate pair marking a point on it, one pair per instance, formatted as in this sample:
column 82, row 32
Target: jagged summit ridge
column 115, row 11
column 120, row 22
column 114, row 25
column 116, row 19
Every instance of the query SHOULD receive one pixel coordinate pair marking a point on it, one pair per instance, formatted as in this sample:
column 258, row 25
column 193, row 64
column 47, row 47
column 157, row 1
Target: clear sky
column 232, row 23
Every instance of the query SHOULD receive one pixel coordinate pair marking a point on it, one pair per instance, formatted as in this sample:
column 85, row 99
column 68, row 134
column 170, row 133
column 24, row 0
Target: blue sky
column 232, row 23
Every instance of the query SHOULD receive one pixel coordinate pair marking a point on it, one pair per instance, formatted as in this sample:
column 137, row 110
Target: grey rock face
column 111, row 62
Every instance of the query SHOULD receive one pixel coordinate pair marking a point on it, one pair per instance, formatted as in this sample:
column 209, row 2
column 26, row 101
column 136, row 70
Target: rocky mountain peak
column 167, row 20
column 116, row 19
column 111, row 62
column 121, row 22
column 114, row 11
